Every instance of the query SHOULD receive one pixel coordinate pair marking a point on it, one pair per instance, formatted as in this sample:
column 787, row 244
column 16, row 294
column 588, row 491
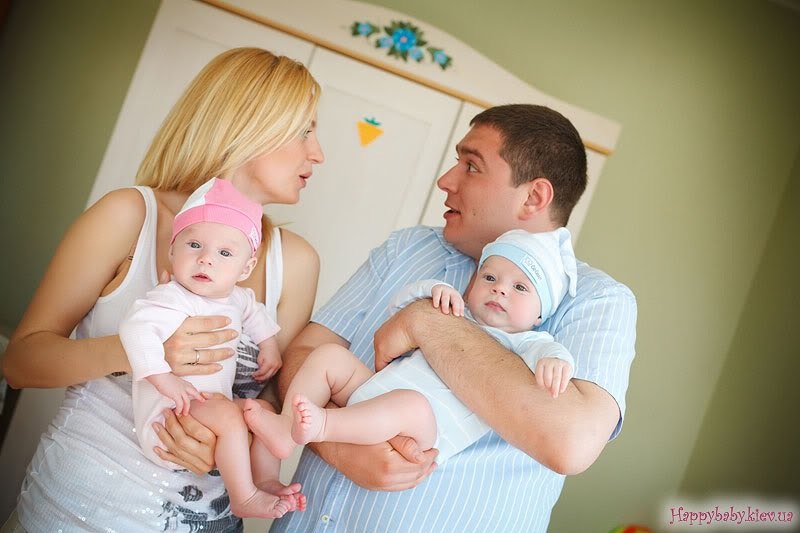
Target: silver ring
column 196, row 357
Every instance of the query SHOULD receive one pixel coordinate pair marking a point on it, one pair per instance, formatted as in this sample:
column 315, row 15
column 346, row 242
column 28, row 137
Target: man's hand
column 394, row 337
column 380, row 466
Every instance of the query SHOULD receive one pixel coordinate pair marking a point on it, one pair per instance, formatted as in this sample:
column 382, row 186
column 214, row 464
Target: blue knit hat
column 546, row 258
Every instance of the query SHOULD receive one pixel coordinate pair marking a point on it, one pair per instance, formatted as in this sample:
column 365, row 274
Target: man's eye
column 471, row 168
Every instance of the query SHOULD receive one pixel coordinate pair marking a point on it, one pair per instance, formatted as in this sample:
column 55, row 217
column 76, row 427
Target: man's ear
column 540, row 196
column 248, row 268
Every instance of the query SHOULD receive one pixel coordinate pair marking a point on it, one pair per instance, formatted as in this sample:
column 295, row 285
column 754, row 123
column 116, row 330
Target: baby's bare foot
column 262, row 505
column 272, row 429
column 297, row 500
column 309, row 420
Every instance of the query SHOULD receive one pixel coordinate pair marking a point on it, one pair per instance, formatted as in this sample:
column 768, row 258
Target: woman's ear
column 248, row 268
column 540, row 196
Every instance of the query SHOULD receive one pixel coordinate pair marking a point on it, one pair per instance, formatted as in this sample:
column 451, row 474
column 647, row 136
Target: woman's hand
column 188, row 443
column 187, row 351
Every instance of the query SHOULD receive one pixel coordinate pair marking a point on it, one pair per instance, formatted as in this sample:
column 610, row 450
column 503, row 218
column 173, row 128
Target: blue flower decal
column 363, row 28
column 439, row 57
column 402, row 40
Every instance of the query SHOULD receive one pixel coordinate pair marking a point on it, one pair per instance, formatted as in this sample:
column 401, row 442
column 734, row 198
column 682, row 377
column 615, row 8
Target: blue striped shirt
column 490, row 486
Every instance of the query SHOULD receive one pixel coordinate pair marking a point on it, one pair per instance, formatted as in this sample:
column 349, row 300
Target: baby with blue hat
column 522, row 278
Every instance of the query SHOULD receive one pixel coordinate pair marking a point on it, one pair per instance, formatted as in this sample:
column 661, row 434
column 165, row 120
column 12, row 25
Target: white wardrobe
column 388, row 126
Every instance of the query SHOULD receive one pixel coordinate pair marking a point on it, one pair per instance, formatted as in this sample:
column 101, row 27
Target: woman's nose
column 316, row 155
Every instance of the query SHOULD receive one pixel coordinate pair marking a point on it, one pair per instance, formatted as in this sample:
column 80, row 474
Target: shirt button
column 325, row 519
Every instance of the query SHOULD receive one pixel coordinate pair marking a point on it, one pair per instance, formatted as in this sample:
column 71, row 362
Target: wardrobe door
column 383, row 137
column 185, row 35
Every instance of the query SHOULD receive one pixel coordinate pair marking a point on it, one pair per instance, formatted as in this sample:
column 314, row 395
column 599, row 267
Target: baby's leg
column 399, row 412
column 330, row 372
column 232, row 455
column 271, row 429
column 266, row 467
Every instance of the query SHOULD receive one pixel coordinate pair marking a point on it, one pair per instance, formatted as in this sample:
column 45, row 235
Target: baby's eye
column 488, row 277
column 225, row 253
column 520, row 287
column 194, row 244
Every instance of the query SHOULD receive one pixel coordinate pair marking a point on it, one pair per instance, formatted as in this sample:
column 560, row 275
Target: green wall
column 754, row 407
column 66, row 66
column 685, row 212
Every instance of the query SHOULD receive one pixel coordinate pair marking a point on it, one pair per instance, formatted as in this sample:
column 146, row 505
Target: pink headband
column 218, row 201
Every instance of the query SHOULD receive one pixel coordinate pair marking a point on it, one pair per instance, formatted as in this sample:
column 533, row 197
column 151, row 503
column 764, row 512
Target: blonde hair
column 245, row 103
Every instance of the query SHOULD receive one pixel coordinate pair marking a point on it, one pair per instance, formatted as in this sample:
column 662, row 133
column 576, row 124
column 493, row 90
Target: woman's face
column 278, row 177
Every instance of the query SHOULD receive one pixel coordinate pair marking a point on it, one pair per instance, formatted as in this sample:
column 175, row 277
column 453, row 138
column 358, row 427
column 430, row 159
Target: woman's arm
column 40, row 353
column 300, row 276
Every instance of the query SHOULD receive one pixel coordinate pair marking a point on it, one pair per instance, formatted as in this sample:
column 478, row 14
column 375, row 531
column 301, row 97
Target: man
column 519, row 166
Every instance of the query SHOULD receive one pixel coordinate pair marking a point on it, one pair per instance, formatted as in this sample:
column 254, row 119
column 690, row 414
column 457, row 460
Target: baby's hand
column 269, row 359
column 446, row 298
column 176, row 389
column 553, row 374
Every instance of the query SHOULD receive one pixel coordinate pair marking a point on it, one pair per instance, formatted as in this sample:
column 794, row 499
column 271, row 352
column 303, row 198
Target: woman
column 248, row 117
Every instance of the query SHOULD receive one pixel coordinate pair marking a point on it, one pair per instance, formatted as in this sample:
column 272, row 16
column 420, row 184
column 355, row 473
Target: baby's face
column 504, row 297
column 209, row 259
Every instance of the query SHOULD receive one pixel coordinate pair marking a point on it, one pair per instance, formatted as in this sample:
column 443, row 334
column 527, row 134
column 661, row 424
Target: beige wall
column 685, row 213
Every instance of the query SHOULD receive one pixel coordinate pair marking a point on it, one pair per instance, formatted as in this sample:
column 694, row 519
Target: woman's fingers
column 188, row 351
column 188, row 443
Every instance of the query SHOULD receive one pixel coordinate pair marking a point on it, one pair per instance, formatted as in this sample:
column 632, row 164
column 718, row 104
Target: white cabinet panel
column 185, row 36
column 363, row 191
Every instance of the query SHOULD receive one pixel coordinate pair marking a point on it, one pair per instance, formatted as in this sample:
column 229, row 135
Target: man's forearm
column 565, row 434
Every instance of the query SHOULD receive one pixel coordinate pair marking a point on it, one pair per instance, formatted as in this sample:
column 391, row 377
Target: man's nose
column 446, row 181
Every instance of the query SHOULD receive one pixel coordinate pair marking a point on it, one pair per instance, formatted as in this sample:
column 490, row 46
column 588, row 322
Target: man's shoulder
column 418, row 234
column 416, row 238
column 593, row 283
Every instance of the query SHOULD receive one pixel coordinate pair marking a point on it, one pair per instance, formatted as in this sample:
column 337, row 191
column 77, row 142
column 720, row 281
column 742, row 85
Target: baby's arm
column 445, row 298
column 257, row 323
column 448, row 298
column 176, row 389
column 550, row 361
column 554, row 374
column 269, row 359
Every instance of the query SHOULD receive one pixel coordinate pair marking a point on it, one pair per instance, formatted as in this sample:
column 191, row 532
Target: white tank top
column 88, row 472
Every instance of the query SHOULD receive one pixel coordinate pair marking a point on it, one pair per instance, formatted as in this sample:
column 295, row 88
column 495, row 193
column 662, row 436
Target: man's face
column 482, row 203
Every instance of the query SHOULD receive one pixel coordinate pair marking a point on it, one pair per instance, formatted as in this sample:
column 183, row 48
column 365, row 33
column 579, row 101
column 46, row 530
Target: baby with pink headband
column 215, row 238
